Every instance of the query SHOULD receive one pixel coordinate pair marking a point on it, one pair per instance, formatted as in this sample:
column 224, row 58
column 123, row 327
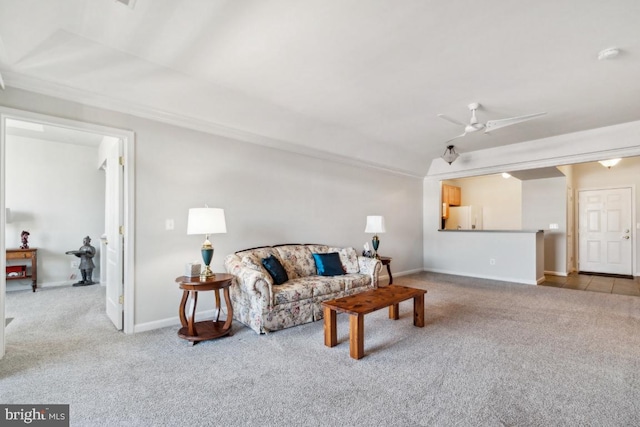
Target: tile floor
column 584, row 282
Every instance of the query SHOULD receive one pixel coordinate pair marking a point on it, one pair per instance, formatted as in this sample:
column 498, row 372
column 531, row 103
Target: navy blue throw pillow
column 328, row 264
column 275, row 269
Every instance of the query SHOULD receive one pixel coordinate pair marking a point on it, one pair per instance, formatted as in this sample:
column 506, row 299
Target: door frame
column 634, row 221
column 128, row 138
column 572, row 227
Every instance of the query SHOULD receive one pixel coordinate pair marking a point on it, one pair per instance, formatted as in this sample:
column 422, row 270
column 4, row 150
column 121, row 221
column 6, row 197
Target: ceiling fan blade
column 456, row 137
column 450, row 120
column 501, row 123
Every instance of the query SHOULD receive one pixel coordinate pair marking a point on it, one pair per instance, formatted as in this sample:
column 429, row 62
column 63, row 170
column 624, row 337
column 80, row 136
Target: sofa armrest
column 370, row 266
column 253, row 284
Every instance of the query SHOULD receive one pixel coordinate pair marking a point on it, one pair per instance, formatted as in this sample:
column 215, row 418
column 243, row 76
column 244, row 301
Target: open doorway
column 80, row 142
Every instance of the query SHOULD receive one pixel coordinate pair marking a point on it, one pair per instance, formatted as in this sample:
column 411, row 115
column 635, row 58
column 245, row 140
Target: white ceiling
column 360, row 79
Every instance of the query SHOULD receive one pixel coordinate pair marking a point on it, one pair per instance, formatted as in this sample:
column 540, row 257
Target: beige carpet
column 491, row 353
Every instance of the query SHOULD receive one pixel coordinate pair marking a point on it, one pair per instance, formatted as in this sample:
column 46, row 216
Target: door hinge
column 121, row 160
column 121, row 230
column 121, row 299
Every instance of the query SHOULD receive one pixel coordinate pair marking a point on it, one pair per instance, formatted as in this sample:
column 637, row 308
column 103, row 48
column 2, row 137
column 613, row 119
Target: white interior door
column 114, row 239
column 605, row 238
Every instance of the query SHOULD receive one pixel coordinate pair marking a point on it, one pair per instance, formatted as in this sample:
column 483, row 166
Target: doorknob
column 625, row 237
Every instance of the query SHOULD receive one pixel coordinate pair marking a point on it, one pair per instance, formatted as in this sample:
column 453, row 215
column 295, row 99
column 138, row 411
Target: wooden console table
column 193, row 331
column 25, row 255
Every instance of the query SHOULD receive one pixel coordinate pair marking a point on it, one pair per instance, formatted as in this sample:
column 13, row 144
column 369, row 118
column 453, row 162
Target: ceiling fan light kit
column 450, row 154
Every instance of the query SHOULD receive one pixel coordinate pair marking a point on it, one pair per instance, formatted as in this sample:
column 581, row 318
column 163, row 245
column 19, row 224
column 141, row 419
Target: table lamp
column 206, row 221
column 375, row 224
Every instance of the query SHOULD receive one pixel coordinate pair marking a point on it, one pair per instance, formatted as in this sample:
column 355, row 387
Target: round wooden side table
column 193, row 331
column 385, row 260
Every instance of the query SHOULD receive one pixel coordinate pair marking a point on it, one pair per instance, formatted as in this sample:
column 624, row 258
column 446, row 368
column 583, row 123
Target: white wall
column 269, row 197
column 544, row 202
column 56, row 192
column 499, row 198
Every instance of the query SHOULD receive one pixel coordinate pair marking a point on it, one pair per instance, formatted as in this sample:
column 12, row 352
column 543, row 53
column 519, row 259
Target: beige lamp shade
column 206, row 221
column 375, row 224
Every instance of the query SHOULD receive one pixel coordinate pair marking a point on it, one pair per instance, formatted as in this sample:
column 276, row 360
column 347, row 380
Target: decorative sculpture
column 86, row 254
column 24, row 236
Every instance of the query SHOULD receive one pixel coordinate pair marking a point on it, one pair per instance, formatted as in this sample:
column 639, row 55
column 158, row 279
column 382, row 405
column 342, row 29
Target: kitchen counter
column 506, row 255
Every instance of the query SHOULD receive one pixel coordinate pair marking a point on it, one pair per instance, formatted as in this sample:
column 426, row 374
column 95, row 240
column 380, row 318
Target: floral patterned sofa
column 264, row 306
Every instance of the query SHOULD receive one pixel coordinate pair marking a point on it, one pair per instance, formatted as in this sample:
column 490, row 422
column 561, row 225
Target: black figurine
column 86, row 254
column 25, row 239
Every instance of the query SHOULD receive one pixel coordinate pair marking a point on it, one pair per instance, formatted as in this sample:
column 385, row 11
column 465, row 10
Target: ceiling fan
column 491, row 125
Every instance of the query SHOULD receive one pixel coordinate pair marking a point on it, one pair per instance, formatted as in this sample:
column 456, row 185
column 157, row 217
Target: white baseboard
column 399, row 274
column 498, row 278
column 556, row 273
column 26, row 284
column 408, row 272
column 172, row 321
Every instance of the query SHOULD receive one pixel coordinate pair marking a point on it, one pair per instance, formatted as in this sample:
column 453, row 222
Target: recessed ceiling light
column 609, row 53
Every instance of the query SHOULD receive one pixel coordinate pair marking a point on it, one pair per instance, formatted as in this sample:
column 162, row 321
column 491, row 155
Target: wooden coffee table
column 364, row 303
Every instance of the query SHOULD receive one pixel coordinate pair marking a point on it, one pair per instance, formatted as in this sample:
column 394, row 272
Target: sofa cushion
column 349, row 258
column 297, row 260
column 354, row 281
column 260, row 253
column 307, row 287
column 327, row 285
column 318, row 249
column 275, row 269
column 254, row 263
column 328, row 264
column 292, row 291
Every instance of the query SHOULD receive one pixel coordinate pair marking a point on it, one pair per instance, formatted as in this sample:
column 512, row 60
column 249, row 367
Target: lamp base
column 206, row 274
column 207, row 255
column 375, row 242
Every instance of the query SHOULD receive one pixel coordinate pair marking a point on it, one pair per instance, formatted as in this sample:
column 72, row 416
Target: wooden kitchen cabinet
column 451, row 195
